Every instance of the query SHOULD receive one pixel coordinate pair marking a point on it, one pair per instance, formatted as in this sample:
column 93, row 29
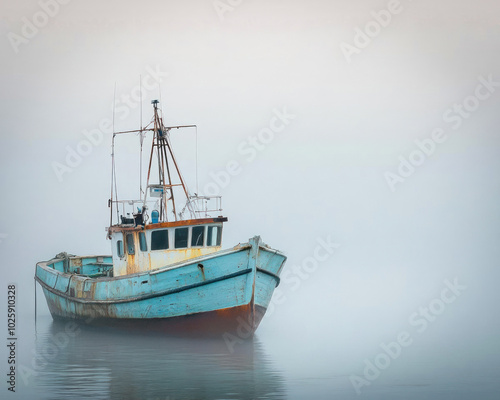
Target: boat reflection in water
column 101, row 364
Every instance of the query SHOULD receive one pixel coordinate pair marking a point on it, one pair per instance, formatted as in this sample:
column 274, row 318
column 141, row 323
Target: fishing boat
column 167, row 270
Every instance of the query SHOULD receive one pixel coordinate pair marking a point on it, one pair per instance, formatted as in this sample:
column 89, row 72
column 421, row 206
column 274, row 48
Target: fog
column 389, row 150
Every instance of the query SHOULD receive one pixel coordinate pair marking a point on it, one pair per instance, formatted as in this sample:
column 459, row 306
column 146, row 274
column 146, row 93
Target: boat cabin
column 141, row 242
column 156, row 245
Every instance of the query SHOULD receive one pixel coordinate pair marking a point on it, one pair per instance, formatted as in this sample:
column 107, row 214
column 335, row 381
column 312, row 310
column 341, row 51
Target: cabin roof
column 188, row 222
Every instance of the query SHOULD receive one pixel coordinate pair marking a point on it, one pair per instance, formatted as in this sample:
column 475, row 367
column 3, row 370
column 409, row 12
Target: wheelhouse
column 143, row 248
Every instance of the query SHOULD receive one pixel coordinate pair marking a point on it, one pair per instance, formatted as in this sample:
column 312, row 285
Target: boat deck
column 88, row 266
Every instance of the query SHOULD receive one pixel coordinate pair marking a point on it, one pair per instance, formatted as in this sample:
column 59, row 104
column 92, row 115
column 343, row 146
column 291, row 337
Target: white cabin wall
column 150, row 260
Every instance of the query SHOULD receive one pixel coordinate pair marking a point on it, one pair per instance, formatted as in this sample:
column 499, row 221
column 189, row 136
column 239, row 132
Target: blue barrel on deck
column 154, row 216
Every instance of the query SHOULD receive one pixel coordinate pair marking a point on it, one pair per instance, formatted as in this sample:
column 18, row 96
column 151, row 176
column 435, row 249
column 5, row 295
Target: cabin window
column 197, row 235
column 159, row 240
column 214, row 235
column 181, row 238
column 143, row 245
column 130, row 243
column 119, row 248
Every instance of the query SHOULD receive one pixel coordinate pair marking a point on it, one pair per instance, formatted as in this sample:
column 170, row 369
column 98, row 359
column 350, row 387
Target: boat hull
column 227, row 291
column 240, row 321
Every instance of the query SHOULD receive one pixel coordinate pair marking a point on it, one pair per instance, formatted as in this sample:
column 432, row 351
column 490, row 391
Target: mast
column 169, row 175
column 165, row 154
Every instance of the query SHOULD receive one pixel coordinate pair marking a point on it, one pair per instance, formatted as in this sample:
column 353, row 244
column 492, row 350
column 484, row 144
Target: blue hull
column 216, row 293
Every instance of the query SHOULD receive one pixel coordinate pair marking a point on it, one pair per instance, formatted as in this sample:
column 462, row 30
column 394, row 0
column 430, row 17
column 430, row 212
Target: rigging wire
column 181, row 177
column 116, row 191
column 35, row 302
column 114, row 163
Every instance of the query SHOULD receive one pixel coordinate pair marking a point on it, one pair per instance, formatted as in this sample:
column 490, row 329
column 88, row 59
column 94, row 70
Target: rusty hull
column 226, row 291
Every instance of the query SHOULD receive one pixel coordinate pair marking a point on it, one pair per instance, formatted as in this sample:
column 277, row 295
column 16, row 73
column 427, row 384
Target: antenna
column 141, row 137
column 196, row 161
column 140, row 96
column 112, row 161
column 161, row 102
column 114, row 106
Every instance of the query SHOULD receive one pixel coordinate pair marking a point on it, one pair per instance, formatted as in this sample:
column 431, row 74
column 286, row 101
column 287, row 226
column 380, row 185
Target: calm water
column 77, row 363
column 102, row 364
